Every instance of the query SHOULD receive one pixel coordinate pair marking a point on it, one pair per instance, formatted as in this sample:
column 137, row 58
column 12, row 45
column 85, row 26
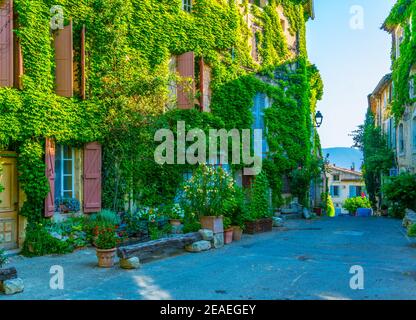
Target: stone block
column 218, row 240
column 199, row 246
column 13, row 286
column 131, row 263
column 207, row 234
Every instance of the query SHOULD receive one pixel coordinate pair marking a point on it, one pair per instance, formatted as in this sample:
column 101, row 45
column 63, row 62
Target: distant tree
column 378, row 157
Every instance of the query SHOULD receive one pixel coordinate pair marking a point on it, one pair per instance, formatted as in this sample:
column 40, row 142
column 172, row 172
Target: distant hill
column 344, row 157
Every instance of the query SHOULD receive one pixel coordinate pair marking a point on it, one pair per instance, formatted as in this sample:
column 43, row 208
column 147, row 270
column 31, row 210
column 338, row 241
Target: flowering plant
column 208, row 192
column 176, row 212
column 107, row 237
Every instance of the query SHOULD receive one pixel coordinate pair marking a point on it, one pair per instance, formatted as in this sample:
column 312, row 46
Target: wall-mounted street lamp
column 318, row 119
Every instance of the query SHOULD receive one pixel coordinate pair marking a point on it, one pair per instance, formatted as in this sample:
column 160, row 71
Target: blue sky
column 351, row 61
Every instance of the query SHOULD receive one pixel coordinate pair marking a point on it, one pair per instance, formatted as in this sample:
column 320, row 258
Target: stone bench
column 156, row 249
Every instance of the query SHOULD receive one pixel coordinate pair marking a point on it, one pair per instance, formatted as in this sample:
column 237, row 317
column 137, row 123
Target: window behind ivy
column 187, row 5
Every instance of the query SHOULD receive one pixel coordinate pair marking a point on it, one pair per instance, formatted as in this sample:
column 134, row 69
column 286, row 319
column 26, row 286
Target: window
column 399, row 40
column 336, row 177
column 64, row 172
column 261, row 103
column 412, row 88
column 401, row 138
column 187, row 5
column 414, row 133
column 336, row 191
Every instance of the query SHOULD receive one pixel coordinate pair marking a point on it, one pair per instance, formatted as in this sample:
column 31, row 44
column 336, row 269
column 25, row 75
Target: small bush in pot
column 353, row 204
column 208, row 195
column 106, row 243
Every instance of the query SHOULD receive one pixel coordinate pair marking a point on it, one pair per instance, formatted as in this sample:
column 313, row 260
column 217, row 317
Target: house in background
column 402, row 131
column 343, row 184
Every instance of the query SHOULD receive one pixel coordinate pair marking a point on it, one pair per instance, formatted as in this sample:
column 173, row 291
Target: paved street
column 306, row 260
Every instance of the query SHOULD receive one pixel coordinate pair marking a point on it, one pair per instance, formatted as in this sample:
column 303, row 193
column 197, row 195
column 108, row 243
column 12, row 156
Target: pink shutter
column 205, row 85
column 6, row 43
column 92, row 177
column 64, row 62
column 50, row 175
column 186, row 69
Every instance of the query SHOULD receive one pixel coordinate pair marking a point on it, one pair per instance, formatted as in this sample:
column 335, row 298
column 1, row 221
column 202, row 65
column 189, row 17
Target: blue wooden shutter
column 331, row 191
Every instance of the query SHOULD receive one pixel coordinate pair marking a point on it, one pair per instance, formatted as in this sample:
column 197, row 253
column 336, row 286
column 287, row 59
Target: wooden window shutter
column 50, row 175
column 205, row 85
column 6, row 44
column 186, row 69
column 92, row 177
column 64, row 62
column 17, row 58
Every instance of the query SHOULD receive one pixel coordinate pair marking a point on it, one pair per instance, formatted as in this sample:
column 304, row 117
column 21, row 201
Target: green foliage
column 39, row 241
column 411, row 231
column 401, row 190
column 210, row 192
column 260, row 198
column 353, row 204
column 402, row 12
column 378, row 157
column 3, row 257
column 330, row 208
column 107, row 237
column 105, row 218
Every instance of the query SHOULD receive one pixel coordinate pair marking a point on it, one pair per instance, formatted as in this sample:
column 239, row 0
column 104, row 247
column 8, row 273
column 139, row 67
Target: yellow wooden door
column 8, row 201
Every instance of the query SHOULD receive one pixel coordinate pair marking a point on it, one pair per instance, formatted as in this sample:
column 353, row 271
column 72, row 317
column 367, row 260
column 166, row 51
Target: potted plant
column 260, row 214
column 106, row 245
column 176, row 214
column 205, row 195
column 228, row 231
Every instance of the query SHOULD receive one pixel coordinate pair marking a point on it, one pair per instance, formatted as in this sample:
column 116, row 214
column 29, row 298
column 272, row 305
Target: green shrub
column 411, row 231
column 260, row 198
column 401, row 191
column 107, row 238
column 3, row 258
column 40, row 242
column 330, row 209
column 396, row 211
column 210, row 192
column 105, row 217
column 353, row 204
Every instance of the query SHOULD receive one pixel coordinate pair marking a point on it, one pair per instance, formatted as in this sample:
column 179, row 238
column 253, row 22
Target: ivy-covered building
column 399, row 109
column 80, row 102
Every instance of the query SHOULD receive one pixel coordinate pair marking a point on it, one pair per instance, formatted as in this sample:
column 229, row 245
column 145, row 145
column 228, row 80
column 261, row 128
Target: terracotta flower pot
column 175, row 222
column 228, row 236
column 106, row 257
column 237, row 233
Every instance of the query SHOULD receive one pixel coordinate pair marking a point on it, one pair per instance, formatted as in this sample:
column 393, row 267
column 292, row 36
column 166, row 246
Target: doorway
column 8, row 201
